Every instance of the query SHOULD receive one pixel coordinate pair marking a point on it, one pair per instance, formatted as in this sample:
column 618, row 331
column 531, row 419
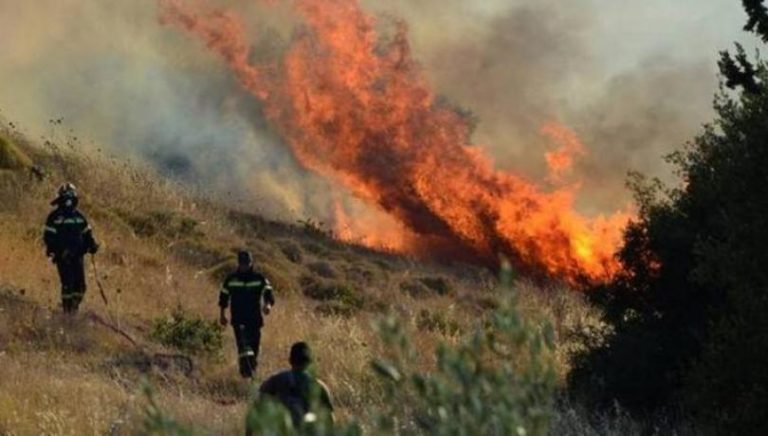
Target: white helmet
column 67, row 190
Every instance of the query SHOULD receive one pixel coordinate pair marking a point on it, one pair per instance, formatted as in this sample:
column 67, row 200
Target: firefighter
column 307, row 399
column 249, row 295
column 68, row 238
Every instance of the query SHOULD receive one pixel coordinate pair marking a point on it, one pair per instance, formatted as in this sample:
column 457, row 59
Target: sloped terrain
column 164, row 252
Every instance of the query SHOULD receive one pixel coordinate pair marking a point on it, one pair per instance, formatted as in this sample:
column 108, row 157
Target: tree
column 689, row 311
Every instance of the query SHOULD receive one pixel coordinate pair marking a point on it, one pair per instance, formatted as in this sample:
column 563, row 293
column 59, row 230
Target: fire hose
column 98, row 281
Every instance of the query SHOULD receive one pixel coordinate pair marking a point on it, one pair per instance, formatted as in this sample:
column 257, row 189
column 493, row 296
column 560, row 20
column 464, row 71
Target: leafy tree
column 689, row 311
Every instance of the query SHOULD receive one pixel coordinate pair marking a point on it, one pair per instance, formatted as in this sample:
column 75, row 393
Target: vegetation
column 188, row 333
column 498, row 381
column 675, row 344
column 163, row 247
column 688, row 312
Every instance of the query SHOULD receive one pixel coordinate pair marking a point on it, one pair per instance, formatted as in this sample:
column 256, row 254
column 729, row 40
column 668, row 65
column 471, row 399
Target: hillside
column 164, row 250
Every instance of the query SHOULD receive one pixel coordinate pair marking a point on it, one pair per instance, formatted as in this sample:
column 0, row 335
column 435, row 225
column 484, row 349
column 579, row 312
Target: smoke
column 118, row 77
column 631, row 97
column 637, row 118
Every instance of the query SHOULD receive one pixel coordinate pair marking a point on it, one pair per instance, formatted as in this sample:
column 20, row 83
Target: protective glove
column 93, row 248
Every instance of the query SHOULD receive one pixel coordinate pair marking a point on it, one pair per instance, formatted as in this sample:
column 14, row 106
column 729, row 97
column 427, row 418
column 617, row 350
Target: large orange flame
column 360, row 111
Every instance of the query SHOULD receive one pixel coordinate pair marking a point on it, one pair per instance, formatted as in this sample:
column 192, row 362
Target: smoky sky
column 634, row 79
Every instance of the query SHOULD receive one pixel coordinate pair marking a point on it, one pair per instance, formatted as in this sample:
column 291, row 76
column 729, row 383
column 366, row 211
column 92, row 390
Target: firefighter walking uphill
column 249, row 296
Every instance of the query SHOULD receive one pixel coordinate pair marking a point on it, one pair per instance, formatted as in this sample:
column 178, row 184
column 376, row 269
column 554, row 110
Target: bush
column 187, row 333
column 329, row 290
column 499, row 381
column 688, row 311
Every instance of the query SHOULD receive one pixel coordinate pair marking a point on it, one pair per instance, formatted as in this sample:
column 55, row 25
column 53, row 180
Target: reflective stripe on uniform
column 236, row 284
column 73, row 221
column 87, row 229
column 51, row 229
column 251, row 284
column 224, row 291
column 73, row 295
column 247, row 354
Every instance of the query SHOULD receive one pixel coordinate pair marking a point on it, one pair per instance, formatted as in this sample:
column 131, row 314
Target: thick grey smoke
column 119, row 77
column 635, row 80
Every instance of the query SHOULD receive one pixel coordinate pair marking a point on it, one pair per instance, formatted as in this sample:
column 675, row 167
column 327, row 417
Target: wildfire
column 560, row 161
column 360, row 111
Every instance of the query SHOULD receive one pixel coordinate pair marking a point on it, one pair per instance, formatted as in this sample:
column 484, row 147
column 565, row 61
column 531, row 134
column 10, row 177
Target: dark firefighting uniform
column 68, row 237
column 299, row 392
column 246, row 293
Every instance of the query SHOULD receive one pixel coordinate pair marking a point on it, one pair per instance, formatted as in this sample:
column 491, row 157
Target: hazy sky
column 635, row 79
column 630, row 30
column 622, row 32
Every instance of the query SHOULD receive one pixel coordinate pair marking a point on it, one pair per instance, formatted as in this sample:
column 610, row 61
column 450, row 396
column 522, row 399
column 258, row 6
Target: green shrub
column 329, row 290
column 187, row 333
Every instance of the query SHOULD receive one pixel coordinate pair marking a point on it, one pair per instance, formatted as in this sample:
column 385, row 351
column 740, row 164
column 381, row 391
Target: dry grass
column 165, row 247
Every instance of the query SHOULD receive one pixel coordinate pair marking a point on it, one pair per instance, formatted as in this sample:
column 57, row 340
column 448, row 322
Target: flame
column 359, row 110
column 560, row 161
column 389, row 235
